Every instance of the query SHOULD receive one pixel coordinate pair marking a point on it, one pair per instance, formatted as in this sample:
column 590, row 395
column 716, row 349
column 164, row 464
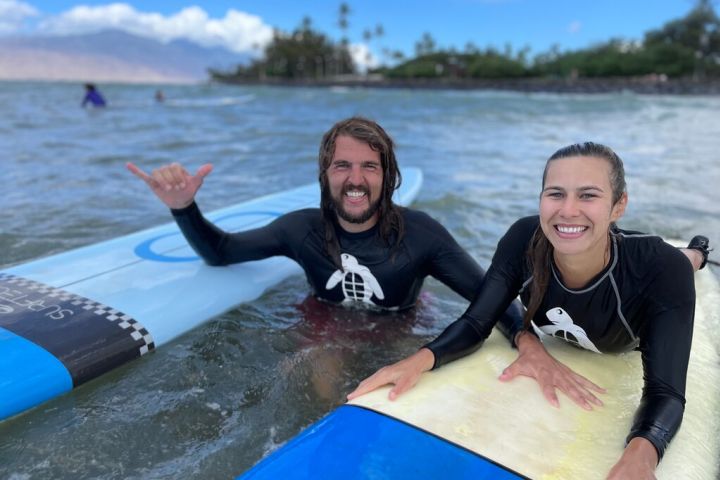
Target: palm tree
column 343, row 23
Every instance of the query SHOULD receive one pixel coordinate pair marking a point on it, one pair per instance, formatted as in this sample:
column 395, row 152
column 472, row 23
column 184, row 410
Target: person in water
column 584, row 280
column 93, row 97
column 359, row 247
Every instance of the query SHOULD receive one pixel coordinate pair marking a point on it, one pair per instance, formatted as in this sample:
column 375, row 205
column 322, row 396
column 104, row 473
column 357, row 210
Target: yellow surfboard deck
column 512, row 423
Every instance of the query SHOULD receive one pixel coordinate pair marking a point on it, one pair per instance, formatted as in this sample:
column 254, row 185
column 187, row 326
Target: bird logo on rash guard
column 358, row 283
column 564, row 328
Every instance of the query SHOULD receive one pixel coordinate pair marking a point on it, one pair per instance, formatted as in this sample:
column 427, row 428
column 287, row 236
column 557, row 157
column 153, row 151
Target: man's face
column 355, row 177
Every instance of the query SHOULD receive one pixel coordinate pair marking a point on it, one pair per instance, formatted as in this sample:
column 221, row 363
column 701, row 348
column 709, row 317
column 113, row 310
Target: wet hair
column 540, row 252
column 390, row 222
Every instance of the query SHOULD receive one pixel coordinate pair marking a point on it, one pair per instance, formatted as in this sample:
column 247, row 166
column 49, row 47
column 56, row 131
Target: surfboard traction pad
column 89, row 338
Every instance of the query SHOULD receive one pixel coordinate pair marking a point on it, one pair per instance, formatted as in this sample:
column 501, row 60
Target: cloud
column 574, row 27
column 363, row 57
column 12, row 14
column 237, row 31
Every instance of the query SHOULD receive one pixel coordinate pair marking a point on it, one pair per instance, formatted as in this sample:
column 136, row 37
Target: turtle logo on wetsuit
column 564, row 328
column 358, row 283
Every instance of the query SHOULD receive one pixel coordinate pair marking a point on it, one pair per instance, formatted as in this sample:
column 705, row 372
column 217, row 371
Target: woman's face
column 576, row 206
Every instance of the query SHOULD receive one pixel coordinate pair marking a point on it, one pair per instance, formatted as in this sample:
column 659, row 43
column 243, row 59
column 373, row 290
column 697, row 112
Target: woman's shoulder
column 645, row 245
column 653, row 255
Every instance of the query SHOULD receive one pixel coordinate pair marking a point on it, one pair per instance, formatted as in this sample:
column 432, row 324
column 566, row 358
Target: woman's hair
column 540, row 251
column 390, row 222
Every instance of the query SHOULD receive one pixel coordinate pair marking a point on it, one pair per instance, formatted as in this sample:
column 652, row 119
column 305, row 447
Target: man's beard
column 347, row 216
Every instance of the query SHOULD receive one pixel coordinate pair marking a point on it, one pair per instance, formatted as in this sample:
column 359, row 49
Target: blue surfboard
column 68, row 318
column 357, row 443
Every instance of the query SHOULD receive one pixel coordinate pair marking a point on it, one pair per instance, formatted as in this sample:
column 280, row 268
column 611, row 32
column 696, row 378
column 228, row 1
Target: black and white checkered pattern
column 124, row 321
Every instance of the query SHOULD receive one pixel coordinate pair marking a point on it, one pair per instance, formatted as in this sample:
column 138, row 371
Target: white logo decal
column 563, row 327
column 358, row 283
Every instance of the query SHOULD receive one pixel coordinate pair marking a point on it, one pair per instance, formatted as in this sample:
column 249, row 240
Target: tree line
column 685, row 47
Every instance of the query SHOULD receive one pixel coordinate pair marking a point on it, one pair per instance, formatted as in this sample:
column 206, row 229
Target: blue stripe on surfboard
column 29, row 375
column 146, row 251
column 356, row 443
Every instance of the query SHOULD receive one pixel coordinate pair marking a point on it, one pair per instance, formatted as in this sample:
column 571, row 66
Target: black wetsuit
column 644, row 298
column 373, row 272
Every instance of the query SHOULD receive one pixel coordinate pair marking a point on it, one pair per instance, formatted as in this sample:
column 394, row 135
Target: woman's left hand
column 535, row 362
column 638, row 461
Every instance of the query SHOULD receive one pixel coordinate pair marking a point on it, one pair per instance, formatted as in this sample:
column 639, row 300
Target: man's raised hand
column 172, row 183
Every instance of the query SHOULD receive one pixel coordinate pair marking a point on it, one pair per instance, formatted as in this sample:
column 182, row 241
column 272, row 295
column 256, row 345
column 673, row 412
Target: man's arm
column 218, row 247
column 176, row 188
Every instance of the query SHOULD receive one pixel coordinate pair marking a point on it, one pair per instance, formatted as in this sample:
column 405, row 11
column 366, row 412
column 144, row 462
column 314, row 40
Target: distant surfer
column 93, row 97
column 159, row 96
column 579, row 275
column 358, row 248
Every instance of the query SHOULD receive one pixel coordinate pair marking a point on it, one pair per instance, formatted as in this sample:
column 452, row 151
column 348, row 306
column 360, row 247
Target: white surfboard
column 512, row 423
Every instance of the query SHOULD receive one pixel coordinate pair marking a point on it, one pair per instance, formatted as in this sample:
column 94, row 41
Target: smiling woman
column 589, row 283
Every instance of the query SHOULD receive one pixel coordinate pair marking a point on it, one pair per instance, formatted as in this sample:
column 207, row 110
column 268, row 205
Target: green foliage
column 447, row 64
column 493, row 65
column 611, row 59
column 426, row 66
column 683, row 47
column 689, row 46
column 698, row 31
column 302, row 54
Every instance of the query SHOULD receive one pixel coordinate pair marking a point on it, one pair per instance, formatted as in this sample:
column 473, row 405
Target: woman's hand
column 638, row 461
column 172, row 184
column 403, row 374
column 535, row 362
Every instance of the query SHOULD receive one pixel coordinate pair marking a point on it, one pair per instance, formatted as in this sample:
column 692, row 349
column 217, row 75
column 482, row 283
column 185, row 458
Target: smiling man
column 355, row 177
column 358, row 247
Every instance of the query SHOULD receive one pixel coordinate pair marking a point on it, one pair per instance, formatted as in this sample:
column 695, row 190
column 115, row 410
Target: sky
column 245, row 26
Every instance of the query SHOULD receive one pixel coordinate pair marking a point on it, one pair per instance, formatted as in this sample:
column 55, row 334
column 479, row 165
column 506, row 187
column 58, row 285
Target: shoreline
column 647, row 86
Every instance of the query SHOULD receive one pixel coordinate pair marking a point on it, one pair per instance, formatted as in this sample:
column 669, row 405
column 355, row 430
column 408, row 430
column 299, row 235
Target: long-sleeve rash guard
column 372, row 272
column 644, row 298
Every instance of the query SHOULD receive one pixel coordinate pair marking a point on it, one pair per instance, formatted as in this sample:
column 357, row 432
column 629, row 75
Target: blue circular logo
column 144, row 249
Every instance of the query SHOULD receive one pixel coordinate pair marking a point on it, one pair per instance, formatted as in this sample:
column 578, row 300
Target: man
column 359, row 247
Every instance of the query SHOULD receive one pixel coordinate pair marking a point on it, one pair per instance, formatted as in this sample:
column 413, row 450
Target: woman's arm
column 665, row 340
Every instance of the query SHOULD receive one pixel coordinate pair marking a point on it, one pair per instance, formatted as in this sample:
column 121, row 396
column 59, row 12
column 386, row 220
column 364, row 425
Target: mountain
column 110, row 56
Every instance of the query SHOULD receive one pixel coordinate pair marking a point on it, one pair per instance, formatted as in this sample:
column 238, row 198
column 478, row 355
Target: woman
column 588, row 282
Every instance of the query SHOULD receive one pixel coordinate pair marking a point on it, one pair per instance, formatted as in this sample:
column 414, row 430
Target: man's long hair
column 390, row 222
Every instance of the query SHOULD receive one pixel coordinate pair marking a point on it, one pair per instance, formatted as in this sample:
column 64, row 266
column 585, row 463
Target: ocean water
column 213, row 402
